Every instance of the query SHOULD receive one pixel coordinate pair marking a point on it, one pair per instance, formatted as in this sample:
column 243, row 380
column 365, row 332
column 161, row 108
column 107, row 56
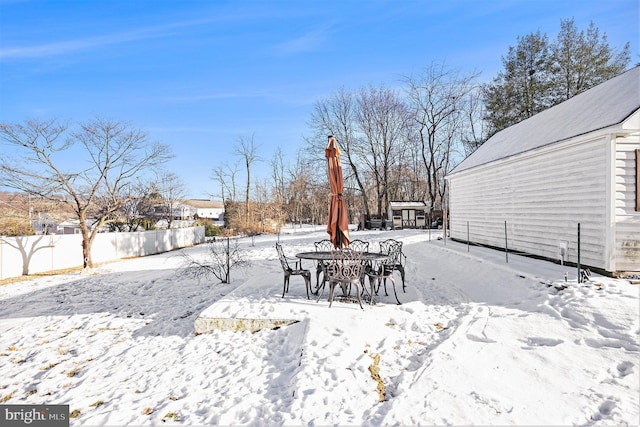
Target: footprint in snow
column 543, row 342
column 605, row 410
column 624, row 369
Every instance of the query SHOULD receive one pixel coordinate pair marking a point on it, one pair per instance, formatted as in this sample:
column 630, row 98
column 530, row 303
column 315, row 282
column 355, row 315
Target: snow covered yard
column 476, row 341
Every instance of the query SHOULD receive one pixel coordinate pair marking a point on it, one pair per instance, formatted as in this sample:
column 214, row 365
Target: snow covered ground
column 476, row 341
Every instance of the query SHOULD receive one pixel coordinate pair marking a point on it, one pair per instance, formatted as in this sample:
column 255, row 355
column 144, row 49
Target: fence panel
column 37, row 254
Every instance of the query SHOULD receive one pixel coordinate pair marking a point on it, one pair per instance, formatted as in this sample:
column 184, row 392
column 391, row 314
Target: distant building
column 72, row 226
column 407, row 214
column 44, row 224
column 207, row 209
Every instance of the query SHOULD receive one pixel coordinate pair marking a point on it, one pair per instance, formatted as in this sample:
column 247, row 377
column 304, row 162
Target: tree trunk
column 86, row 242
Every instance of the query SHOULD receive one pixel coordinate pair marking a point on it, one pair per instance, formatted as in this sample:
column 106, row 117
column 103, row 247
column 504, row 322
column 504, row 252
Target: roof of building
column 610, row 103
column 203, row 204
column 407, row 204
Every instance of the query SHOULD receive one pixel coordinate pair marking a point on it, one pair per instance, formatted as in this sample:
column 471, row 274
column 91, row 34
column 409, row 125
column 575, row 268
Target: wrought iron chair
column 359, row 245
column 321, row 267
column 288, row 271
column 383, row 271
column 393, row 248
column 346, row 269
column 362, row 246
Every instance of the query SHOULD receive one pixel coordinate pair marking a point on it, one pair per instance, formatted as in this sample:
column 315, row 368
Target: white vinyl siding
column 542, row 195
column 574, row 163
column 627, row 216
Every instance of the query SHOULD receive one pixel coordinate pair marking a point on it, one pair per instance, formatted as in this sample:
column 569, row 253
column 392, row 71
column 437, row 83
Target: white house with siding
column 575, row 163
column 207, row 209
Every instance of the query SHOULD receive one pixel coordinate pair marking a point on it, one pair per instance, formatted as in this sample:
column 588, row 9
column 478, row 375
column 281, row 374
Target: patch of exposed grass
column 43, row 274
column 49, row 366
column 171, row 415
column 73, row 372
column 374, row 369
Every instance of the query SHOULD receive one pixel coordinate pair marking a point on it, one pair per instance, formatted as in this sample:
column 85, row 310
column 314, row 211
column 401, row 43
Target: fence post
column 228, row 265
column 506, row 248
column 468, row 240
column 579, row 278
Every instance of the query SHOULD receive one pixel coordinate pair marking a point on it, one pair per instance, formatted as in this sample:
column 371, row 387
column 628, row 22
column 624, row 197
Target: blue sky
column 197, row 75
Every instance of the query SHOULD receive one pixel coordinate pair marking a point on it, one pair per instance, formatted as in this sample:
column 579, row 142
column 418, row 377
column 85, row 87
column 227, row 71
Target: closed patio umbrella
column 338, row 223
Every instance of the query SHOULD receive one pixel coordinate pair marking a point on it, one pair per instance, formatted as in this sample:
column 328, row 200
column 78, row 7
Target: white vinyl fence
column 36, row 254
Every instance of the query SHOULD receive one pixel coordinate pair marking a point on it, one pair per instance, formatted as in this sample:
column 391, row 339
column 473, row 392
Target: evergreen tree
column 582, row 60
column 538, row 74
column 523, row 88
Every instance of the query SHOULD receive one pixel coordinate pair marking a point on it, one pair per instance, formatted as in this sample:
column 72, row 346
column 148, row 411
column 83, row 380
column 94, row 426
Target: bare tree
column 218, row 262
column 277, row 211
column 134, row 211
column 476, row 131
column 298, row 191
column 382, row 119
column 225, row 175
column 261, row 207
column 112, row 155
column 437, row 99
column 171, row 191
column 336, row 116
column 247, row 150
column 278, row 175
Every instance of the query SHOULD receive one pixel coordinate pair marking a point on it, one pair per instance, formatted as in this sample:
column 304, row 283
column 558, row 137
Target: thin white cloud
column 304, row 43
column 71, row 46
column 307, row 42
column 211, row 96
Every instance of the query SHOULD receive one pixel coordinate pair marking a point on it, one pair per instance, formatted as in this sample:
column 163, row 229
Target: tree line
column 398, row 144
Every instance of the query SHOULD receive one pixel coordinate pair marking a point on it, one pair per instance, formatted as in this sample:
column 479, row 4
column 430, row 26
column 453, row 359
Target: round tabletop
column 327, row 255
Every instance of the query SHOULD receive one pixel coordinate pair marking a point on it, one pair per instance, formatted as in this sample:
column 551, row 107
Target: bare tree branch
column 112, row 155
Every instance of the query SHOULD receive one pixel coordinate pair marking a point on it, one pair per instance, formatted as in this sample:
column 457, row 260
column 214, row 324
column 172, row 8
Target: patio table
column 324, row 256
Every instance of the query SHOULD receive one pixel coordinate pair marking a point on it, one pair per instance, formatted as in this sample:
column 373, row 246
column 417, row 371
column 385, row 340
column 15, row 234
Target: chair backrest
column 359, row 245
column 323, row 245
column 393, row 248
column 346, row 265
column 283, row 258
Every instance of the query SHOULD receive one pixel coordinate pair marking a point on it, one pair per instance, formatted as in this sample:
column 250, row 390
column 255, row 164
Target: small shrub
column 223, row 256
column 211, row 230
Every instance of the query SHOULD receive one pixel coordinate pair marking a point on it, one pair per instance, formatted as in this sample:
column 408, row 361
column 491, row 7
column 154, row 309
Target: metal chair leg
column 394, row 290
column 307, row 283
column 332, row 287
column 285, row 286
column 401, row 270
